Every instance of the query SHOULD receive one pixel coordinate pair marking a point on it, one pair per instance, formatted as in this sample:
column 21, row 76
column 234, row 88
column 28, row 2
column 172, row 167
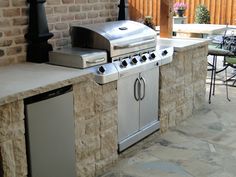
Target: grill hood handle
column 135, row 44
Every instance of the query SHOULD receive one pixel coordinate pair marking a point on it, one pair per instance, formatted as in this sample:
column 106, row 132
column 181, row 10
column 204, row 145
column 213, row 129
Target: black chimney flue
column 123, row 10
column 38, row 33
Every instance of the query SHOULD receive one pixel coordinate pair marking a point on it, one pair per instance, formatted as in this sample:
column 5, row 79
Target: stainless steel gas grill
column 133, row 59
column 120, row 38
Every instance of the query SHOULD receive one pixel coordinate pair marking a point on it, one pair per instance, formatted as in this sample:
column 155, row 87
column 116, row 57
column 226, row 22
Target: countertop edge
column 41, row 88
column 200, row 44
column 193, row 43
column 37, row 90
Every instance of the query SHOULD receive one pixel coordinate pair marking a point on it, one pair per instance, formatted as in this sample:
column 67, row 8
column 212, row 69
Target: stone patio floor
column 202, row 146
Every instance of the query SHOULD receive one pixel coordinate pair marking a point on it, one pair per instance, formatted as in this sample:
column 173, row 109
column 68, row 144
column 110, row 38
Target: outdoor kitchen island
column 182, row 90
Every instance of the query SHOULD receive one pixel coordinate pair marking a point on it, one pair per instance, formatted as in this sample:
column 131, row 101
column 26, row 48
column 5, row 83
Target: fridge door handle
column 142, row 80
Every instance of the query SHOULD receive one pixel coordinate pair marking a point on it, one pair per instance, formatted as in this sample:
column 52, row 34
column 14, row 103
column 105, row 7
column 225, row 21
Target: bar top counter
column 23, row 80
column 182, row 44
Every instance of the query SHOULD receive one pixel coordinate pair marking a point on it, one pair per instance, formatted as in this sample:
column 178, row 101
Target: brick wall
column 60, row 13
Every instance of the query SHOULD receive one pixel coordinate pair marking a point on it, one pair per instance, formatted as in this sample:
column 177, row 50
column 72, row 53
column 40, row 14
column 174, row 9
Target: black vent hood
column 38, row 33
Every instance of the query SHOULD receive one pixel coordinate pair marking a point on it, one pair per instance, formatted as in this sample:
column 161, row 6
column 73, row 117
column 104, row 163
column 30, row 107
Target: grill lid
column 118, row 37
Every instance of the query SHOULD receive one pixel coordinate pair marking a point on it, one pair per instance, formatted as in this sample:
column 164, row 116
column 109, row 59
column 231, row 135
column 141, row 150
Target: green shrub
column 202, row 15
column 149, row 22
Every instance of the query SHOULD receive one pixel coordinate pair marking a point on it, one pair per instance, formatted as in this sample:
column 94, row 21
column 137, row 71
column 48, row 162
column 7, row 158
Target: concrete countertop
column 19, row 81
column 23, row 80
column 182, row 44
column 199, row 28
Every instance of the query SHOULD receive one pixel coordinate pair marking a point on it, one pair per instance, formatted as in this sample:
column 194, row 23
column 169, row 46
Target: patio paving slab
column 202, row 146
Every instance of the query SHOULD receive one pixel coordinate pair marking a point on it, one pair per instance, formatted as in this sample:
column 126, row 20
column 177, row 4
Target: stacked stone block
column 60, row 15
column 96, row 127
column 182, row 86
column 12, row 140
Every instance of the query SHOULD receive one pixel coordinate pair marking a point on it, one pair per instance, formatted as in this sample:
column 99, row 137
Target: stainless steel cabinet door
column 149, row 97
column 128, row 107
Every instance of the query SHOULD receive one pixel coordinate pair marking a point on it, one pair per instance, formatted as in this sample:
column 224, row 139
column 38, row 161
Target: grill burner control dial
column 124, row 63
column 152, row 56
column 165, row 52
column 134, row 61
column 143, row 58
column 101, row 69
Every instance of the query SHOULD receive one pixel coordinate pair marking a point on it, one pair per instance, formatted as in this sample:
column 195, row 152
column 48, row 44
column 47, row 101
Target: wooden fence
column 221, row 11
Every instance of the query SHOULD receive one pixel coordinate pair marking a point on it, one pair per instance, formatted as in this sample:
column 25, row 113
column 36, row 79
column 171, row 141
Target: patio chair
column 230, row 61
column 215, row 52
column 216, row 49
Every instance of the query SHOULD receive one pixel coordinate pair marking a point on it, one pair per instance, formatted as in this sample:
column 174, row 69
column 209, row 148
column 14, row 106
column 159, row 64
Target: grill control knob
column 124, row 63
column 152, row 56
column 134, row 61
column 144, row 58
column 164, row 53
column 101, row 69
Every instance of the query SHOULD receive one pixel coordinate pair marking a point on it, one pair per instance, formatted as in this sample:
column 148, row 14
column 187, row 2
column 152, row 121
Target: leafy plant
column 202, row 15
column 149, row 22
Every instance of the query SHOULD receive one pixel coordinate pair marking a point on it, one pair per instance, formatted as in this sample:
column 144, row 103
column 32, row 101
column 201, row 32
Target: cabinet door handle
column 137, row 98
column 144, row 88
column 135, row 94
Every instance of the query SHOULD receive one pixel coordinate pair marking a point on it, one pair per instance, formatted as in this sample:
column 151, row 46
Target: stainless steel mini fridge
column 50, row 134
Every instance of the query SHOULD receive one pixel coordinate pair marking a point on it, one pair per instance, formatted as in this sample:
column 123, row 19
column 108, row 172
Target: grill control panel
column 133, row 64
column 137, row 63
column 138, row 60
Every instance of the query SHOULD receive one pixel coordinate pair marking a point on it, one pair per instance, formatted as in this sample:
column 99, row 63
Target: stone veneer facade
column 182, row 90
column 60, row 14
column 95, row 114
column 95, row 127
column 12, row 140
column 182, row 86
